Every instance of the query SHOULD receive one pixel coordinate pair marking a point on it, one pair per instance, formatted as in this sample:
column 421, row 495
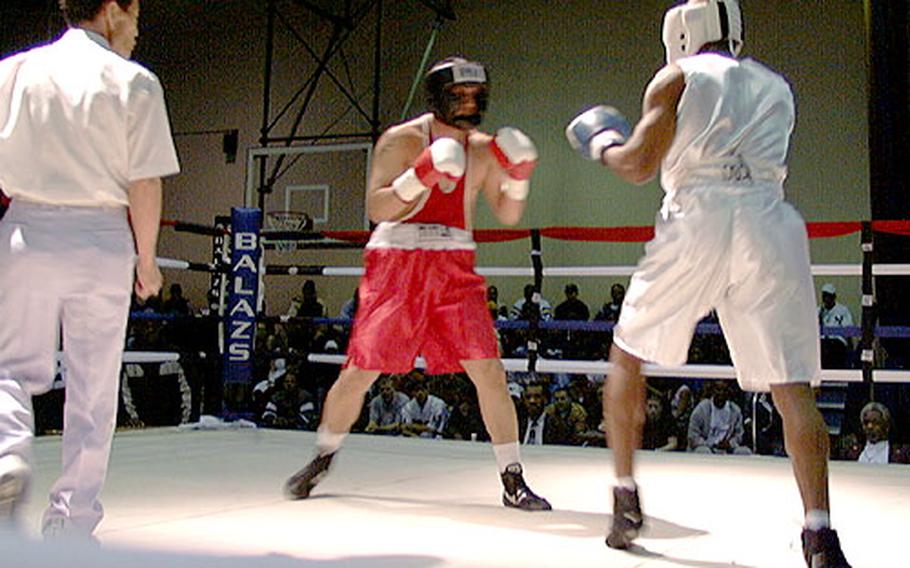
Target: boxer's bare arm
column 394, row 153
column 638, row 160
column 507, row 211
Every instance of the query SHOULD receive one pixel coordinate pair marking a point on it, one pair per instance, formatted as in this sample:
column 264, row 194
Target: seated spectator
column 716, row 425
column 572, row 343
column 680, row 413
column 658, row 426
column 290, row 406
column 524, row 308
column 176, row 303
column 308, row 304
column 835, row 348
column 568, row 419
column 572, row 308
column 425, row 414
column 304, row 336
column 584, row 391
column 610, row 310
column 386, row 409
column 595, row 433
column 764, row 422
column 876, row 423
column 608, row 313
column 497, row 311
column 533, row 427
column 516, row 392
column 268, row 368
column 465, row 422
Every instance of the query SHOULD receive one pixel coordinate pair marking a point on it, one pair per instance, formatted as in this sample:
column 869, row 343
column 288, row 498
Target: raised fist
column 443, row 159
column 597, row 129
column 517, row 155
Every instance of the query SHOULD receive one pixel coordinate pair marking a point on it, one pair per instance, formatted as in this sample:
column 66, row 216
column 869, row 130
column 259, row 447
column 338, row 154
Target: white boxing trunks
column 743, row 252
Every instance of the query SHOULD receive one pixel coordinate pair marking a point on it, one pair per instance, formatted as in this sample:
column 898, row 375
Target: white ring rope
column 683, row 371
column 140, row 356
column 172, row 263
column 817, row 269
column 149, row 356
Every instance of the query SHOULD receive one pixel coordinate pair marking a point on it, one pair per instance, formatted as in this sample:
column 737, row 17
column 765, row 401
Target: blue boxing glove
column 596, row 129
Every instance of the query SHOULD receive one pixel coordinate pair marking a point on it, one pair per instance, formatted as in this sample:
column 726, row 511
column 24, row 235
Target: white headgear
column 688, row 27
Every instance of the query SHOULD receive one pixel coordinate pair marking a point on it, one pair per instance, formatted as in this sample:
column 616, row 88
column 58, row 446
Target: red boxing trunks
column 421, row 302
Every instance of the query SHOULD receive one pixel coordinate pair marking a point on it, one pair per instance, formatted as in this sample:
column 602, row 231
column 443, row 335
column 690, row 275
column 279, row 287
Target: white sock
column 506, row 454
column 328, row 442
column 626, row 483
column 817, row 519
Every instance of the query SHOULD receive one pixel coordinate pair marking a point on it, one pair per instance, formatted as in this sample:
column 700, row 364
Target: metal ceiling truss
column 347, row 21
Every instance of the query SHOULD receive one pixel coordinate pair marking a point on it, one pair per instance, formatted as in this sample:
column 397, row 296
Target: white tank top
column 734, row 121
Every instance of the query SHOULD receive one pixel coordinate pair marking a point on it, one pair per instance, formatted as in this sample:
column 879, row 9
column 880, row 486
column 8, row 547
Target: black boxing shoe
column 301, row 483
column 517, row 494
column 821, row 549
column 627, row 518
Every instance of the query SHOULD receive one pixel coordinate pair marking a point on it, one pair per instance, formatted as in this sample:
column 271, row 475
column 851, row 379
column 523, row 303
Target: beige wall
column 547, row 61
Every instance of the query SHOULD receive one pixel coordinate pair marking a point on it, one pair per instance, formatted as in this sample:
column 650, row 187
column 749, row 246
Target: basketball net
column 286, row 221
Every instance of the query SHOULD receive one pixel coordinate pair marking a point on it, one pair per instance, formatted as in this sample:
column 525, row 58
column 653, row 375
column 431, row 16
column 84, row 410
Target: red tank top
column 444, row 208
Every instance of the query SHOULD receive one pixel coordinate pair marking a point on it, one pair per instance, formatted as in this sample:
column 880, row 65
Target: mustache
column 472, row 119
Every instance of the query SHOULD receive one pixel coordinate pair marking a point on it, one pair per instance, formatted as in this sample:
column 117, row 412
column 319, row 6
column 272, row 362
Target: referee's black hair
column 75, row 11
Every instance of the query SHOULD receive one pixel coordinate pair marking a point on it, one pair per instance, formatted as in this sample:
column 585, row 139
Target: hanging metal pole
column 375, row 123
column 266, row 102
column 418, row 78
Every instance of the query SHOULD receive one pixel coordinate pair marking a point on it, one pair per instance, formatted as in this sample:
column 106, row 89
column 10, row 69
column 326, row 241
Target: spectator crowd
column 553, row 408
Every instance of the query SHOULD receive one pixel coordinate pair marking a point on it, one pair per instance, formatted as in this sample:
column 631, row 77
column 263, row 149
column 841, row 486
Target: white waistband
column 414, row 236
column 732, row 171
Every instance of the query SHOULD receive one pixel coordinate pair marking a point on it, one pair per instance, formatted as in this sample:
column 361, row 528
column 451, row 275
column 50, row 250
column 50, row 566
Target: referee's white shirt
column 78, row 123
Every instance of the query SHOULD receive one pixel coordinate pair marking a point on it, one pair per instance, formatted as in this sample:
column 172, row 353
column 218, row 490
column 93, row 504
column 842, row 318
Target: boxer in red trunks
column 419, row 294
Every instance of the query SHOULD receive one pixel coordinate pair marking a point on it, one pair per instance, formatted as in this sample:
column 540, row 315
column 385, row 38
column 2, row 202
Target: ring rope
column 520, row 271
column 178, row 264
column 884, row 331
column 707, row 372
column 816, row 230
column 238, row 368
column 141, row 356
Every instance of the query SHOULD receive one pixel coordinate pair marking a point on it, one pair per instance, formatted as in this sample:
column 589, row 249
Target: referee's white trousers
column 69, row 269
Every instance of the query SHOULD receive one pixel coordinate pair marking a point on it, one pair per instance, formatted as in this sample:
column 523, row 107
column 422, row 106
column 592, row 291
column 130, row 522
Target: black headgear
column 453, row 71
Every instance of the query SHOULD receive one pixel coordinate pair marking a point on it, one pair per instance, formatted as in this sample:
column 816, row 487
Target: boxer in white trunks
column 717, row 128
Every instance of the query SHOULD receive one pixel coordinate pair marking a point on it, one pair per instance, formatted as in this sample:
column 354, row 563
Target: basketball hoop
column 287, row 221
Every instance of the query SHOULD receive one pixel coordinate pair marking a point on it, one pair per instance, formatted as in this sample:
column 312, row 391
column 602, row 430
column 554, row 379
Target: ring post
column 243, row 293
column 535, row 315
column 867, row 351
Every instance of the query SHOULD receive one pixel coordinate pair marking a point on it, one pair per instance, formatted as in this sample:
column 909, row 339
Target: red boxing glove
column 443, row 159
column 516, row 154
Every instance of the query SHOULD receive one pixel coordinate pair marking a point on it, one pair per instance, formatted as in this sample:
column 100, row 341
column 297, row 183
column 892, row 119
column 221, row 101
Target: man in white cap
column 833, row 314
